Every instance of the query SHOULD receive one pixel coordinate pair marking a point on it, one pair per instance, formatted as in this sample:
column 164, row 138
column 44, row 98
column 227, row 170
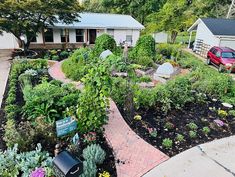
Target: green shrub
column 167, row 143
column 192, row 126
column 169, row 126
column 179, row 138
column 89, row 169
column 222, row 113
column 94, row 153
column 55, row 57
column 13, row 163
column 78, row 64
column 102, row 43
column 144, row 51
column 231, row 113
column 94, row 100
column 64, row 54
column 49, row 101
column 206, row 130
column 192, row 134
column 169, row 50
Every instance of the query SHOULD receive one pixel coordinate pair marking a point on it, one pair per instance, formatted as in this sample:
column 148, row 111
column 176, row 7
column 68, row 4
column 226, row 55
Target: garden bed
column 28, row 131
column 177, row 122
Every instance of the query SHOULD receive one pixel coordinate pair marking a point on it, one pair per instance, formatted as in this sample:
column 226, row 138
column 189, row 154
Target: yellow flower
column 104, row 174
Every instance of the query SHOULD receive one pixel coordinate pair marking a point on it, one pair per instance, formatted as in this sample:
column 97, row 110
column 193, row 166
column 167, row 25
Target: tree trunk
column 173, row 36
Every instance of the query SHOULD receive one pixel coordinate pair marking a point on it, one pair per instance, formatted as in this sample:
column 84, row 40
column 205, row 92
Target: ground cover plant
column 185, row 111
column 40, row 101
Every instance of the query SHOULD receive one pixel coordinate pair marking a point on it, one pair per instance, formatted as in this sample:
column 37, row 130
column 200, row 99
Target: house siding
column 8, row 41
column 118, row 34
column 206, row 35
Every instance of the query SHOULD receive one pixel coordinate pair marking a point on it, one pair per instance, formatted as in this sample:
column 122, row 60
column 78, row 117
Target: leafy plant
column 192, row 126
column 137, row 117
column 89, row 169
column 179, row 138
column 231, row 113
column 93, row 102
column 64, row 54
column 222, row 113
column 206, row 130
column 104, row 174
column 192, row 134
column 144, row 51
column 102, row 43
column 94, row 153
column 152, row 132
column 169, row 126
column 167, row 143
column 13, row 163
column 55, row 57
column 90, row 138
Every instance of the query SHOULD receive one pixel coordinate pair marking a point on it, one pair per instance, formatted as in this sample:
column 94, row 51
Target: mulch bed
column 109, row 163
column 201, row 114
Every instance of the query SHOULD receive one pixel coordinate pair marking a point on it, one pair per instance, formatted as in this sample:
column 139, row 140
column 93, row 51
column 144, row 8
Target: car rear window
column 228, row 54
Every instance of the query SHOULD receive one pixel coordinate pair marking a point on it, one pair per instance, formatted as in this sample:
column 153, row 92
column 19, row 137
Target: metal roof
column 218, row 26
column 103, row 21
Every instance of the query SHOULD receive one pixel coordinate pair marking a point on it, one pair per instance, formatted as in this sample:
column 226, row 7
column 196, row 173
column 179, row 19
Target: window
column 111, row 32
column 228, row 54
column 34, row 39
column 64, row 34
column 79, row 35
column 128, row 38
column 48, row 35
column 218, row 54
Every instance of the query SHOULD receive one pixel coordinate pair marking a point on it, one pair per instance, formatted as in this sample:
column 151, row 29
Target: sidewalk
column 213, row 159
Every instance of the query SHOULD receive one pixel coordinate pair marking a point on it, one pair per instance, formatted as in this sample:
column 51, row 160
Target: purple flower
column 218, row 122
column 39, row 172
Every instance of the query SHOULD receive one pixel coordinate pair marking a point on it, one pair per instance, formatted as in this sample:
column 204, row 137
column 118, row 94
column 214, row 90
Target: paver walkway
column 4, row 71
column 213, row 159
column 134, row 157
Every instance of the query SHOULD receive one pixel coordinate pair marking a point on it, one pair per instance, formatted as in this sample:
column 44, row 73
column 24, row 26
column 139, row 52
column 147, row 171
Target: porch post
column 190, row 38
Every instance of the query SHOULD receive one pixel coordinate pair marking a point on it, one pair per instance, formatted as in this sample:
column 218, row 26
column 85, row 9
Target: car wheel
column 221, row 68
column 208, row 61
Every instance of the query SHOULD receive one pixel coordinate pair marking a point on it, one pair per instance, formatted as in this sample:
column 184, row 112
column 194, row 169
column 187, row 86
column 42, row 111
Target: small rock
column 214, row 99
column 227, row 105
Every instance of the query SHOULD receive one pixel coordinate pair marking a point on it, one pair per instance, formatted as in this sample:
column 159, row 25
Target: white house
column 214, row 32
column 123, row 28
column 160, row 37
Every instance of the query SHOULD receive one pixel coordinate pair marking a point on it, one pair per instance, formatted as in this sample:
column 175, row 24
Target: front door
column 92, row 36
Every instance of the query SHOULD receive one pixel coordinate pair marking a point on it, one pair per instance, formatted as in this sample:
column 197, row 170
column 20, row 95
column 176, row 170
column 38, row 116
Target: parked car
column 222, row 57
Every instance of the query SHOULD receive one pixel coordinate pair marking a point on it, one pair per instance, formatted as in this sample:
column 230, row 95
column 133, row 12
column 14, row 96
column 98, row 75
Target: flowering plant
column 90, row 138
column 39, row 172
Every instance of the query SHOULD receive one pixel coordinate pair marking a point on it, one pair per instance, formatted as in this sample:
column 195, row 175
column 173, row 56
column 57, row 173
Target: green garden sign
column 65, row 126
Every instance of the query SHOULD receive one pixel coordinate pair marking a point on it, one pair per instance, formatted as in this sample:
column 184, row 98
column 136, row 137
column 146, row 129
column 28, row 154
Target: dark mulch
column 200, row 114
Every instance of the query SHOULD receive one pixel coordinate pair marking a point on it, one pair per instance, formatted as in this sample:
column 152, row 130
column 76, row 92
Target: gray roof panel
column 100, row 20
column 220, row 27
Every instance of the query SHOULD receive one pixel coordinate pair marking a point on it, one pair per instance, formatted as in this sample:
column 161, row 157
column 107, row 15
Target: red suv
column 222, row 57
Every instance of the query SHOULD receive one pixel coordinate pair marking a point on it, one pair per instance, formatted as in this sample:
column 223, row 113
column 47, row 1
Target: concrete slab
column 4, row 72
column 222, row 151
column 214, row 159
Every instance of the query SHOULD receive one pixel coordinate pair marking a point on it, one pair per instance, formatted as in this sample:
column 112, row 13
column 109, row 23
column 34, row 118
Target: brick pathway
column 134, row 156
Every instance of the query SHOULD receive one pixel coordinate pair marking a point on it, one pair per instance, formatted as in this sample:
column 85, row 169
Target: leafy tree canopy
column 29, row 17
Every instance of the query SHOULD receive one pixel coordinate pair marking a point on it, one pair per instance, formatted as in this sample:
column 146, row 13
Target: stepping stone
column 227, row 105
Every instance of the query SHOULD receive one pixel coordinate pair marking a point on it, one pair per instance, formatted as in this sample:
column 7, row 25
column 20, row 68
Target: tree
column 29, row 17
column 93, row 6
column 137, row 8
column 170, row 18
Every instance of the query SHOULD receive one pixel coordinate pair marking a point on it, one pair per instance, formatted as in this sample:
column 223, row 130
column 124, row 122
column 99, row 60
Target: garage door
column 8, row 41
column 228, row 43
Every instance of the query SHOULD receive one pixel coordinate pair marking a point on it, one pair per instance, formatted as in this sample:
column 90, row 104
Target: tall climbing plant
column 94, row 100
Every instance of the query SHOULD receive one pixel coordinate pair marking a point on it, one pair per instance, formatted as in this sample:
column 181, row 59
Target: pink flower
column 218, row 122
column 39, row 172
